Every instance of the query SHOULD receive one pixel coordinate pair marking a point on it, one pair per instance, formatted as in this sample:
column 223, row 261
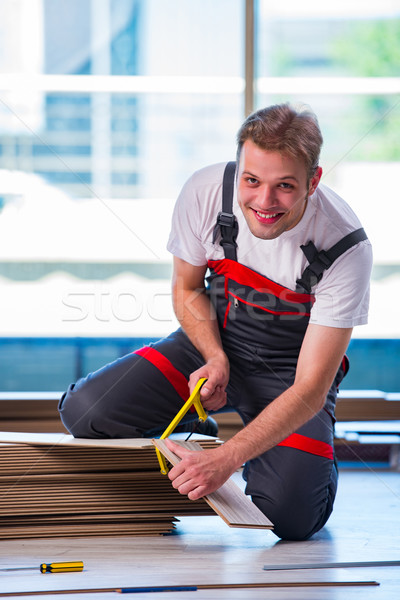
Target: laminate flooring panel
column 60, row 440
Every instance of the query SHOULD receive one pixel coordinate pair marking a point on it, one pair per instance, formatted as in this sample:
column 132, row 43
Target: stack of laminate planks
column 52, row 485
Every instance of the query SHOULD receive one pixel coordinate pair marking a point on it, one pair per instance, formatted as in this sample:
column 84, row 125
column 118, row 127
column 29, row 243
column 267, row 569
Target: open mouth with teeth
column 267, row 217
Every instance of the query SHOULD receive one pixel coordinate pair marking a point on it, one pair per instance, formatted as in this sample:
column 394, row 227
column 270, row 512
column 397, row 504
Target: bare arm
column 320, row 356
column 197, row 317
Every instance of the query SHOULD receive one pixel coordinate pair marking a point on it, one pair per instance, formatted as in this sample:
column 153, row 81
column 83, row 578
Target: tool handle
column 194, row 398
column 61, row 567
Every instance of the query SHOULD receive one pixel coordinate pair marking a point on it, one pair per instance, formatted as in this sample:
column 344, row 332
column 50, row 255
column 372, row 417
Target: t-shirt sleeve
column 342, row 296
column 185, row 239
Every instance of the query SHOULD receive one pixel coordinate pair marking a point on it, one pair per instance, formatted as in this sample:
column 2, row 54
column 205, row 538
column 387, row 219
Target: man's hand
column 199, row 473
column 216, row 371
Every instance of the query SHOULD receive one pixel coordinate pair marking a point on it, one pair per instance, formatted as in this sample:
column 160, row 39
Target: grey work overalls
column 262, row 326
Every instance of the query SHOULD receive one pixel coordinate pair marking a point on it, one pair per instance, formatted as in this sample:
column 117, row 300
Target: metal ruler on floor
column 333, row 565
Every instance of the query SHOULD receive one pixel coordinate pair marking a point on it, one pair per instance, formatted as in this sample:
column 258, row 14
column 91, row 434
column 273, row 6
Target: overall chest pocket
column 247, row 303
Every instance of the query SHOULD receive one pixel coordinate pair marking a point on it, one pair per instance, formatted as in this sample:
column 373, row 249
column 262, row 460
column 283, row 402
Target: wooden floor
column 365, row 526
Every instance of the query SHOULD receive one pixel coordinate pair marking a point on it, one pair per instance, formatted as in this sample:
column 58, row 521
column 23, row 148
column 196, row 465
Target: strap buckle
column 323, row 257
column 226, row 219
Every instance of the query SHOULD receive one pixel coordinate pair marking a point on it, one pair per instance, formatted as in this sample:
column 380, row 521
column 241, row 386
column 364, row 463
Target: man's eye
column 286, row 186
column 252, row 180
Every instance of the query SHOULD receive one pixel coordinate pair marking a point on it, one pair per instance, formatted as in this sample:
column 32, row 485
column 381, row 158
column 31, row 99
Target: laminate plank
column 57, row 439
column 229, row 502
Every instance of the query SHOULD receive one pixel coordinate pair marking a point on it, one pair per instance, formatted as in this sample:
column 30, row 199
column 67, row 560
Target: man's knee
column 106, row 405
column 79, row 409
column 294, row 519
column 298, row 509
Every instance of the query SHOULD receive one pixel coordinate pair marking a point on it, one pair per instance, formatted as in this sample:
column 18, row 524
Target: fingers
column 212, row 394
column 215, row 384
column 185, row 477
column 213, row 397
column 188, row 488
column 197, row 493
column 216, row 400
column 176, row 448
column 208, row 389
column 199, row 473
column 183, row 471
column 215, row 370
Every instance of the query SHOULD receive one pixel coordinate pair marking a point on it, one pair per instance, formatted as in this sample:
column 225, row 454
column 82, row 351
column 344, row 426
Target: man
column 289, row 278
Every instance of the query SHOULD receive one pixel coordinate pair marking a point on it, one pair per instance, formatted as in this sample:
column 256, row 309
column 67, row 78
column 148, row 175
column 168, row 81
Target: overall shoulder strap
column 227, row 224
column 322, row 260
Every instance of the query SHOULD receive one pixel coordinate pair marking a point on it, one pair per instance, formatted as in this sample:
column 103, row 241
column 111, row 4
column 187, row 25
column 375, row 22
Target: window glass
column 106, row 107
column 344, row 63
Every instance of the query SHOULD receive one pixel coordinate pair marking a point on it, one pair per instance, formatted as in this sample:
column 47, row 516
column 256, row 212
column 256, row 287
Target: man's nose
column 267, row 197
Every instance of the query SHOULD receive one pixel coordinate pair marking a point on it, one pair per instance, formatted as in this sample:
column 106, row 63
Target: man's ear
column 314, row 181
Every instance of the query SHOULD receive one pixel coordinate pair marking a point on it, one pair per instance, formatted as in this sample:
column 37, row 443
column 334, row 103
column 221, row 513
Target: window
column 107, row 106
column 344, row 64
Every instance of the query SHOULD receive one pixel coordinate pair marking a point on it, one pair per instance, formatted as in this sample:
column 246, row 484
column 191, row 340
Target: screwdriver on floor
column 54, row 567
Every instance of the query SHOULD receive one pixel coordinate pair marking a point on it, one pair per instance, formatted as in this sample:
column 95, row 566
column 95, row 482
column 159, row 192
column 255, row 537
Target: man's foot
column 208, row 427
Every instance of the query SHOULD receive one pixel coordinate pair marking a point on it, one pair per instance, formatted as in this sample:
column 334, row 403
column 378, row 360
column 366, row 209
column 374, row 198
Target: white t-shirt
column 342, row 295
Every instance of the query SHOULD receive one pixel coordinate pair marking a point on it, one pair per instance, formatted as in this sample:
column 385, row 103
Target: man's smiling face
column 272, row 190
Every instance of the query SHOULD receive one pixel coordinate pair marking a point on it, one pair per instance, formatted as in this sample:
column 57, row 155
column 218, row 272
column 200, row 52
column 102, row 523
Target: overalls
column 262, row 325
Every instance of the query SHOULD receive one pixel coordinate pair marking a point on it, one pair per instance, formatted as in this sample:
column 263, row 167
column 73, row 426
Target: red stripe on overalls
column 246, row 276
column 306, row 444
column 165, row 366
